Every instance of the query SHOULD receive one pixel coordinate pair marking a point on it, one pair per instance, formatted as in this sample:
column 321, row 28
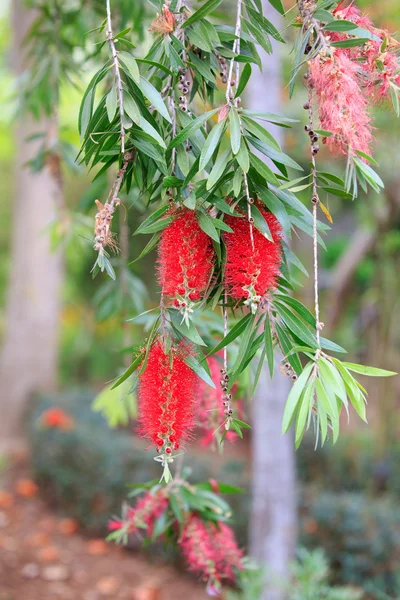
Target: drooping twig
column 102, row 229
column 110, row 39
column 315, row 202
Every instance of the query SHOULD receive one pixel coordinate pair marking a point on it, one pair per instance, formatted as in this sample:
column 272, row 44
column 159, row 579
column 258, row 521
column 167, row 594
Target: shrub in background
column 86, row 469
column 360, row 535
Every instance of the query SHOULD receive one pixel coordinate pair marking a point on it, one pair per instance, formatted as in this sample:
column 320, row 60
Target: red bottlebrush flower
column 185, row 259
column 211, row 551
column 250, row 273
column 167, row 395
column 56, row 418
column 142, row 516
column 343, row 109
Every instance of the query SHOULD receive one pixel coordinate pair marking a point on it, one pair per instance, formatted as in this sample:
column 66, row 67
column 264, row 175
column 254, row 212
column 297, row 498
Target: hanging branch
column 315, row 202
column 231, row 101
column 110, row 39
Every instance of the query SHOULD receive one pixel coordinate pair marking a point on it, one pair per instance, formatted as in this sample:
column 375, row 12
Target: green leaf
column 296, row 326
column 269, row 347
column 219, row 224
column 355, row 395
column 243, row 156
column 259, row 20
column 189, row 332
column 294, row 397
column 298, row 307
column 191, row 128
column 340, row 26
column 207, row 8
column 277, row 4
column 244, row 78
column 242, row 424
column 337, row 192
column 151, row 244
column 235, row 132
column 261, row 133
column 157, row 226
column 199, row 370
column 274, row 155
column 211, row 144
column 352, row 43
column 261, row 223
column 198, row 36
column 207, row 225
column 244, row 347
column 155, row 98
column 328, row 401
column 150, row 130
column 373, row 178
column 231, row 335
column 218, row 169
column 131, row 108
column 369, row 371
column 155, row 216
column 263, row 169
column 131, row 65
column 328, row 345
column 111, row 103
column 136, row 362
column 332, row 379
column 304, row 411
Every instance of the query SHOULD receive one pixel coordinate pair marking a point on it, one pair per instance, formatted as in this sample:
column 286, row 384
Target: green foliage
column 361, row 538
column 309, row 581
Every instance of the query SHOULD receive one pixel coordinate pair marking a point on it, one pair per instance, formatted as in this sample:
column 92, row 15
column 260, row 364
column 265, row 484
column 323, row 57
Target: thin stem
column 315, row 201
column 225, row 317
column 231, row 83
column 110, row 39
column 230, row 87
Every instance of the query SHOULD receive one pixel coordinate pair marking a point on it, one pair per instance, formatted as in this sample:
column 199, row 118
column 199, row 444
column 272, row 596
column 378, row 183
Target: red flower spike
column 211, row 551
column 343, row 109
column 167, row 396
column 142, row 516
column 249, row 273
column 185, row 260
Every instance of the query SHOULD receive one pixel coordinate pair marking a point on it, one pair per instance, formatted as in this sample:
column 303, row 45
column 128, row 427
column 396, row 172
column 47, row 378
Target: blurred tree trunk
column 29, row 356
column 273, row 515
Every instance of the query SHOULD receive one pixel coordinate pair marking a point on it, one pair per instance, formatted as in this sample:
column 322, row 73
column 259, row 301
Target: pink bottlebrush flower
column 167, row 396
column 185, row 259
column 142, row 516
column 343, row 109
column 211, row 551
column 354, row 14
column 250, row 273
column 380, row 67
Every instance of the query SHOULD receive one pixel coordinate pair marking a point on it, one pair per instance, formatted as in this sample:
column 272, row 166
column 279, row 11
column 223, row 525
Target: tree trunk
column 29, row 356
column 273, row 514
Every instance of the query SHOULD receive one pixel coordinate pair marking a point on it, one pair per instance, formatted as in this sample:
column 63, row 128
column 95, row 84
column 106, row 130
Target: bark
column 28, row 361
column 273, row 514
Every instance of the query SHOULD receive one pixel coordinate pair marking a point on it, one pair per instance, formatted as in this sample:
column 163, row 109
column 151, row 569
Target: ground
column 44, row 556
